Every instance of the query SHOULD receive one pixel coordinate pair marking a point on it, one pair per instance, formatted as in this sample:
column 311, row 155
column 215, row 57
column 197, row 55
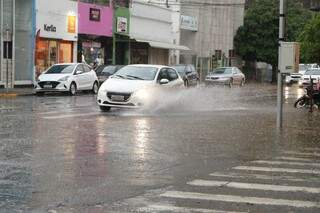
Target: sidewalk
column 11, row 93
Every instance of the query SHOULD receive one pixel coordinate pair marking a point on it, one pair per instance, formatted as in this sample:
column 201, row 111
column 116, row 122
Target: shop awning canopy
column 164, row 45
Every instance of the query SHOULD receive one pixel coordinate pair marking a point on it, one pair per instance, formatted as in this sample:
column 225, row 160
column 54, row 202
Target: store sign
column 91, row 44
column 95, row 14
column 122, row 25
column 71, row 24
column 49, row 28
column 189, row 23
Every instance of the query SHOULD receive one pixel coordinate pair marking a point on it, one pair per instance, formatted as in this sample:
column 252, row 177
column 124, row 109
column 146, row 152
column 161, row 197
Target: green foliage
column 257, row 39
column 310, row 41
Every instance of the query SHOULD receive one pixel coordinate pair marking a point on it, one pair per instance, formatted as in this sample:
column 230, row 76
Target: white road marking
column 241, row 199
column 312, row 149
column 295, row 159
column 170, row 208
column 266, row 187
column 309, row 154
column 268, row 169
column 285, row 163
column 263, row 177
column 72, row 115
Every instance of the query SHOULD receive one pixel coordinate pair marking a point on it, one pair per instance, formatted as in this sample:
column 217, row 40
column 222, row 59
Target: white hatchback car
column 67, row 78
column 132, row 84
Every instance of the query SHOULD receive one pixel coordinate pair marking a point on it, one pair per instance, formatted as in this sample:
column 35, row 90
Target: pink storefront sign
column 95, row 19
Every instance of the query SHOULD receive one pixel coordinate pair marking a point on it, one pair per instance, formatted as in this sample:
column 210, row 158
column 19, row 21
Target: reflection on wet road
column 201, row 149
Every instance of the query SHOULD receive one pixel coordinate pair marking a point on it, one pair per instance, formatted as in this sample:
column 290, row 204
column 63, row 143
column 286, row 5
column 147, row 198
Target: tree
column 310, row 41
column 257, row 39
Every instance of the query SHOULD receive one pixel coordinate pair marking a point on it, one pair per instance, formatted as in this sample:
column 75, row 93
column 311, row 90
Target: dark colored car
column 188, row 73
column 105, row 71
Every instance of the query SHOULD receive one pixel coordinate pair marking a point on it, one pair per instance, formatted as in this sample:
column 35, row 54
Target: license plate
column 117, row 97
column 47, row 86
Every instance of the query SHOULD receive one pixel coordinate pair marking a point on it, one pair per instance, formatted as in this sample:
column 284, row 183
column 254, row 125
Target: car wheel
column 301, row 102
column 95, row 88
column 73, row 89
column 186, row 83
column 242, row 83
column 230, row 82
column 105, row 108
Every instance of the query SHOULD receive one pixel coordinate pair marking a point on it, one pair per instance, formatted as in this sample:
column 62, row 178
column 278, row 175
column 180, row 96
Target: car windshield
column 109, row 69
column 302, row 67
column 312, row 72
column 180, row 69
column 137, row 73
column 61, row 69
column 222, row 71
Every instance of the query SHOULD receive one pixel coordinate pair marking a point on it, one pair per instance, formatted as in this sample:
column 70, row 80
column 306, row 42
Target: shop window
column 121, row 3
column 7, row 49
column 100, row 2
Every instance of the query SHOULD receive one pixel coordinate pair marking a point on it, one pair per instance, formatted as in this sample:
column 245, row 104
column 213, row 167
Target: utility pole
column 282, row 18
column 7, row 59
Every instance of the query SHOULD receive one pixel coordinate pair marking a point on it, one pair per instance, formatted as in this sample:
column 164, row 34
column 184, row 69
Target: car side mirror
column 164, row 81
column 78, row 72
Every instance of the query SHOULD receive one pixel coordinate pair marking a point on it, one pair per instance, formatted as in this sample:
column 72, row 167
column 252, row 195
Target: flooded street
column 200, row 149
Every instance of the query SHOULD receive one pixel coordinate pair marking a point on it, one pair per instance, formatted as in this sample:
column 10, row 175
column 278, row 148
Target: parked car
column 130, row 86
column 69, row 77
column 188, row 73
column 105, row 71
column 226, row 76
column 313, row 73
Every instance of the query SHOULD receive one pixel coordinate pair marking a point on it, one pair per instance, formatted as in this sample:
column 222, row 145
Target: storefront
column 56, row 37
column 95, row 33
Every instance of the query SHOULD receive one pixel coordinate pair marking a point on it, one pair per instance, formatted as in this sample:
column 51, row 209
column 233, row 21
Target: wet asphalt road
column 198, row 151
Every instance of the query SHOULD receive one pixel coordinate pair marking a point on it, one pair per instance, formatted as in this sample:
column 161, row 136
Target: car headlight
column 64, row 78
column 142, row 94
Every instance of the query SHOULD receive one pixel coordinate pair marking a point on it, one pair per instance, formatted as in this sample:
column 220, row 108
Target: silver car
column 226, row 76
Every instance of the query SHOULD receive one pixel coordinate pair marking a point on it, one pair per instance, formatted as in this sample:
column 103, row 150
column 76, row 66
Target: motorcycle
column 311, row 99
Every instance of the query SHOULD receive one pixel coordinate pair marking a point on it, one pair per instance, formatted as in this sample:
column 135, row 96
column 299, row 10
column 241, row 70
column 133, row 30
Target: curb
column 14, row 95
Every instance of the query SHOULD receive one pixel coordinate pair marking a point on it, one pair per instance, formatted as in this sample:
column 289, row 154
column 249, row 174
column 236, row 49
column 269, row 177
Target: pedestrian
column 99, row 60
column 83, row 59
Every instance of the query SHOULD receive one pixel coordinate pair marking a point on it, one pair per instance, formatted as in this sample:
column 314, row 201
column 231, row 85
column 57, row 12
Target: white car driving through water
column 132, row 85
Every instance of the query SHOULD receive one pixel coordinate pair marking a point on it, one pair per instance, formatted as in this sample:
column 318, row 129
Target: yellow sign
column 71, row 24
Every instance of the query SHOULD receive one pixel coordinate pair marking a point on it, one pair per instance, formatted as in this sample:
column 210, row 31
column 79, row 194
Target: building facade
column 154, row 32
column 17, row 26
column 56, row 33
column 95, row 32
column 208, row 28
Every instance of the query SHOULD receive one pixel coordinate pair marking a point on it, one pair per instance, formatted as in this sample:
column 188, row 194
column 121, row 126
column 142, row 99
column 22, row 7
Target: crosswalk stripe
column 255, row 186
column 309, row 154
column 268, row 169
column 170, row 208
column 295, row 159
column 312, row 149
column 263, row 177
column 285, row 163
column 72, row 115
column 240, row 199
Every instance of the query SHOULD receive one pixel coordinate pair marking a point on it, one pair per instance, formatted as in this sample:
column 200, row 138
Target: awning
column 164, row 45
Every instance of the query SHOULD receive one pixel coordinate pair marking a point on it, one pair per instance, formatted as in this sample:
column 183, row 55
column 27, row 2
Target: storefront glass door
column 65, row 52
